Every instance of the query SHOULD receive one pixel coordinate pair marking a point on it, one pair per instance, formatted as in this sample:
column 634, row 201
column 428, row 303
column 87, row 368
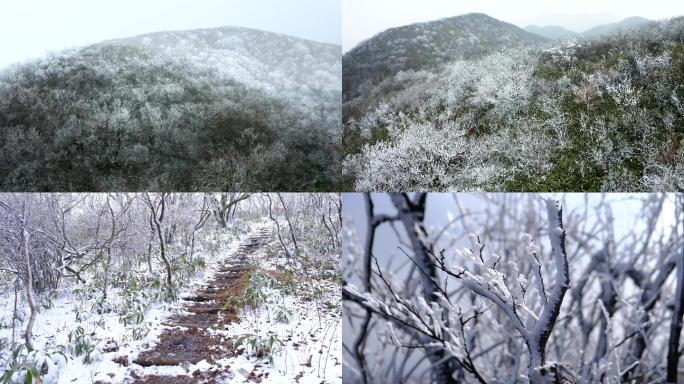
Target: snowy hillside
column 584, row 115
column 427, row 45
column 216, row 109
column 272, row 62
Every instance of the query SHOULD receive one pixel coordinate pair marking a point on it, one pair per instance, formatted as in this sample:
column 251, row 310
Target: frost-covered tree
column 512, row 288
column 587, row 115
column 150, row 114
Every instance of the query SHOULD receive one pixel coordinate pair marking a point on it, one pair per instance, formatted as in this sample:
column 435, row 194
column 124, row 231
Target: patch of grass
column 261, row 347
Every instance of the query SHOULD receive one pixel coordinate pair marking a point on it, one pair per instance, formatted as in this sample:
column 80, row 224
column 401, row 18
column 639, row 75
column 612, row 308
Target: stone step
column 203, row 309
column 187, row 340
column 189, row 345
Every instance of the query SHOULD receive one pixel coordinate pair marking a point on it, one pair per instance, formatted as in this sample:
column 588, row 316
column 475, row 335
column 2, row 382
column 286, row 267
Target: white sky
column 30, row 28
column 362, row 19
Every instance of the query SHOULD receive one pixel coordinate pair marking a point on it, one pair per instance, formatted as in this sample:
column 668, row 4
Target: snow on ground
column 71, row 310
column 311, row 347
column 305, row 329
column 310, row 341
column 53, row 326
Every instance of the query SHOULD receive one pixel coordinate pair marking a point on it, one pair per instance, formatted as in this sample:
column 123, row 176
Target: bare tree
column 157, row 207
column 278, row 231
column 201, row 220
column 411, row 213
column 226, row 205
column 20, row 230
column 289, row 224
column 26, row 254
column 373, row 221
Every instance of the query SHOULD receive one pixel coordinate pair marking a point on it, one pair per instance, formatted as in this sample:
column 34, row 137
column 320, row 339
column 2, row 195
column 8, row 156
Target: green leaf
column 16, row 351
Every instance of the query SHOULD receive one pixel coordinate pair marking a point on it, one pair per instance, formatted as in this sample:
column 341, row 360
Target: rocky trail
column 190, row 336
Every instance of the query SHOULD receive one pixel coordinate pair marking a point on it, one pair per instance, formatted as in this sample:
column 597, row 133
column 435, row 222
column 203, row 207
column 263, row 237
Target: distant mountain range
column 613, row 28
column 427, row 45
column 552, row 32
column 555, row 32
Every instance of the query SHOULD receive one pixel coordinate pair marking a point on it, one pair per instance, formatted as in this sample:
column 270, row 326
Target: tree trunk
column 158, row 219
column 412, row 216
column 14, row 312
column 108, row 263
column 649, row 298
column 204, row 215
column 227, row 205
column 539, row 335
column 108, row 260
column 280, row 238
column 676, row 325
column 330, row 232
column 289, row 224
column 28, row 335
column 359, row 343
column 149, row 245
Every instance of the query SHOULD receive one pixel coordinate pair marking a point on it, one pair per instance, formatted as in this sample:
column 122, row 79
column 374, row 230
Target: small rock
column 110, row 346
column 122, row 360
column 137, row 372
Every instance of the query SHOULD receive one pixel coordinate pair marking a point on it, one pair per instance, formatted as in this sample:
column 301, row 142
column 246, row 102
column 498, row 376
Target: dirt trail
column 188, row 338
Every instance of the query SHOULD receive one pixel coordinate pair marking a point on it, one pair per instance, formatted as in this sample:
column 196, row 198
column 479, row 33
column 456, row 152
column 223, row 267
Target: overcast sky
column 362, row 19
column 30, row 28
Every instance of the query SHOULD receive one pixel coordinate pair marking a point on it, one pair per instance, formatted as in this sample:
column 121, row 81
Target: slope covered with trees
column 588, row 115
column 425, row 46
column 217, row 109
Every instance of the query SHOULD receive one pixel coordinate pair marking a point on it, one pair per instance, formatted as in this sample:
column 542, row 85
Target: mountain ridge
column 558, row 32
column 427, row 45
column 235, row 27
column 550, row 31
column 267, row 60
column 617, row 27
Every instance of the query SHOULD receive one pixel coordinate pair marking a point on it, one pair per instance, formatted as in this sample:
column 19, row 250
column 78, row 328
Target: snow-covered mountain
column 583, row 115
column 272, row 62
column 210, row 109
column 427, row 45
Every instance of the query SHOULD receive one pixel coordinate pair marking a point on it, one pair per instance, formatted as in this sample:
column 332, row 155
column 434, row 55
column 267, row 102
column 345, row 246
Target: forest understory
column 254, row 293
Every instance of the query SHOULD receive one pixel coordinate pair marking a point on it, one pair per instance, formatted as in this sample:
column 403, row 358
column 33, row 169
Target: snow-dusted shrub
column 258, row 346
column 81, row 344
column 419, row 158
column 31, row 366
column 601, row 113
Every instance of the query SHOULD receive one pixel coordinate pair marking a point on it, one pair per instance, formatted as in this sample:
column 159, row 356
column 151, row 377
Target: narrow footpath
column 190, row 336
